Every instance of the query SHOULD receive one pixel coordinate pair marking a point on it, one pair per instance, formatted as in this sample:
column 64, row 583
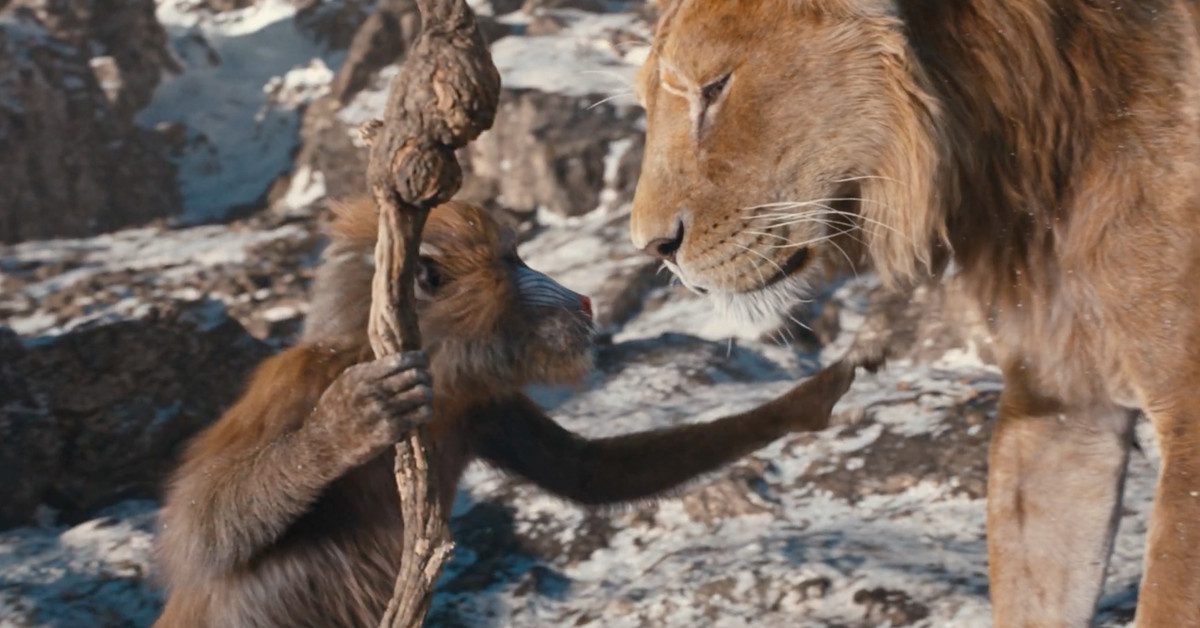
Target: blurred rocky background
column 165, row 170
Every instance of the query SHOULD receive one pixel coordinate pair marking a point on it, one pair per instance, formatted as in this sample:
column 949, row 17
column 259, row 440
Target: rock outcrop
column 29, row 444
column 72, row 76
column 566, row 153
column 106, row 408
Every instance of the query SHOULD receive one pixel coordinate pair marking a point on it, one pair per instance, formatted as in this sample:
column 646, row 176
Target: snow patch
column 95, row 573
column 246, row 76
column 578, row 60
column 306, row 187
column 171, row 254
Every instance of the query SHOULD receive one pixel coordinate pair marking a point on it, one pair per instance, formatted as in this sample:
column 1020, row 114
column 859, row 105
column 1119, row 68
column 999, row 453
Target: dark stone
column 29, row 442
column 73, row 75
column 121, row 399
column 889, row 606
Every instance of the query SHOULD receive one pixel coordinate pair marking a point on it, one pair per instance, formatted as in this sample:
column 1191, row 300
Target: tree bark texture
column 444, row 96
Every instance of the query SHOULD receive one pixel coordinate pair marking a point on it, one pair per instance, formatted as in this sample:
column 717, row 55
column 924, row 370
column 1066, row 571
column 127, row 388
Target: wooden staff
column 444, row 96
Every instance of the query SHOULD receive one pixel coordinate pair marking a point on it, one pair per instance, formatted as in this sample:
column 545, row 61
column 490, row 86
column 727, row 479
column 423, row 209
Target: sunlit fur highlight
column 285, row 512
column 483, row 347
column 1051, row 151
column 484, row 341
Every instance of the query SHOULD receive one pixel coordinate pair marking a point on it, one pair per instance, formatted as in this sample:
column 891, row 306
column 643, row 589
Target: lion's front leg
column 1170, row 592
column 1054, row 487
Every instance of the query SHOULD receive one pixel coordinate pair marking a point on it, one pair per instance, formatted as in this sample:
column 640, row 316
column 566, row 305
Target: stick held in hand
column 444, row 96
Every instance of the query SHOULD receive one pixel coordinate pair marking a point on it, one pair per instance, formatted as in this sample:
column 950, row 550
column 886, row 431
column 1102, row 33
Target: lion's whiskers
column 815, row 201
column 764, row 257
column 623, row 79
column 767, row 234
column 615, row 96
column 865, row 177
column 781, row 219
column 841, row 223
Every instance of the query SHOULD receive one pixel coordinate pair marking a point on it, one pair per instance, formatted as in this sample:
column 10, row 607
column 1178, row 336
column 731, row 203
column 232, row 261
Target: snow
column 798, row 553
column 579, row 60
column 612, row 163
column 791, row 551
column 246, row 75
column 87, row 575
column 139, row 249
column 369, row 103
column 306, row 187
column 159, row 256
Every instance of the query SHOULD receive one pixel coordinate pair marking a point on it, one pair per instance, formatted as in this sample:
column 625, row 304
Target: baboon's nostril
column 666, row 248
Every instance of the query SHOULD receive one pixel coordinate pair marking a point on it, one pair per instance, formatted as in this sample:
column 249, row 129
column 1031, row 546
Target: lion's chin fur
column 767, row 304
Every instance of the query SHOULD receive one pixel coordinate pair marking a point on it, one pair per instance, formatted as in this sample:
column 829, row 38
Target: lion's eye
column 713, row 90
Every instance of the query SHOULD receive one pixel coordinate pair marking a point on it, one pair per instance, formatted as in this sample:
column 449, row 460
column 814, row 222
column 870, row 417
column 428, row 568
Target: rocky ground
column 237, row 120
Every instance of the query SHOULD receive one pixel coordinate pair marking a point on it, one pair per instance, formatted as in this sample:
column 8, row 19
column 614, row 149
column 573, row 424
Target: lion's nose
column 666, row 248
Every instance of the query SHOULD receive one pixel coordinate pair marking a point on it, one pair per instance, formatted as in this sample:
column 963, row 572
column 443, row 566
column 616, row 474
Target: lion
column 1044, row 154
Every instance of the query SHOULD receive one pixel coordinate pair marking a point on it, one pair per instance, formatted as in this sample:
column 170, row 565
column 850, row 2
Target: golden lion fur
column 1044, row 153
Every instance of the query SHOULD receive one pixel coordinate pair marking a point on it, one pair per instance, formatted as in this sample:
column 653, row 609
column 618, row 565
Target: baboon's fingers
column 370, row 373
column 401, row 381
column 404, row 401
column 810, row 403
column 398, row 362
column 836, row 379
column 870, row 356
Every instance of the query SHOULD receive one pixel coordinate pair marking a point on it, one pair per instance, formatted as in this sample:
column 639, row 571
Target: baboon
column 285, row 512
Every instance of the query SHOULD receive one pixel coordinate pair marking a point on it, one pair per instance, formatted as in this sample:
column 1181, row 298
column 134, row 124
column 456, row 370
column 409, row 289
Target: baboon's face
column 488, row 317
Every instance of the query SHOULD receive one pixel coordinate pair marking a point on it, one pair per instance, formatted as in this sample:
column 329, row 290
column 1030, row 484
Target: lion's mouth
column 844, row 204
column 794, row 264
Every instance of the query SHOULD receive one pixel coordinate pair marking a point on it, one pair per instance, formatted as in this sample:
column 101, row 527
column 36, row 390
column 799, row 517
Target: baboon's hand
column 812, row 401
column 374, row 404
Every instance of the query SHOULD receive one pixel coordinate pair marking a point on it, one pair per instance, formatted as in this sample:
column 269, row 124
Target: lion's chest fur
column 1073, row 201
column 1058, row 339
column 1113, row 292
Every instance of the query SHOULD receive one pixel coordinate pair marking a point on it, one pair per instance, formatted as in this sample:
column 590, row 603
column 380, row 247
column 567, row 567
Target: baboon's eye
column 430, row 278
column 713, row 90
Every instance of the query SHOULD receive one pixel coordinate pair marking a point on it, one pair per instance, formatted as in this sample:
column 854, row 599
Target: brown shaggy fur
column 284, row 513
column 1048, row 152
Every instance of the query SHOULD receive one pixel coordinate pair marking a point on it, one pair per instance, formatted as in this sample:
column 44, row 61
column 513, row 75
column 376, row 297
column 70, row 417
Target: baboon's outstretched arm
column 516, row 436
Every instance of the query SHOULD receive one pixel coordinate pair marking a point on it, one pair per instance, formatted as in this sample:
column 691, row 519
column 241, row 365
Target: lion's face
column 781, row 134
